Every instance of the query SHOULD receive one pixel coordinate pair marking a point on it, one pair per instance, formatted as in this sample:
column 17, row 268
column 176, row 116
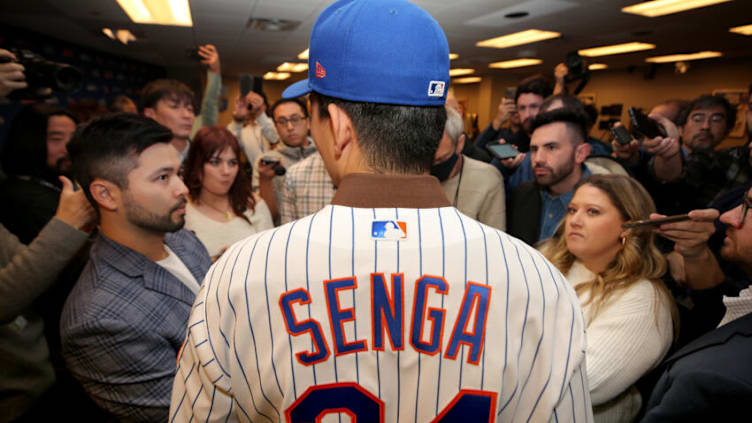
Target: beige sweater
column 630, row 334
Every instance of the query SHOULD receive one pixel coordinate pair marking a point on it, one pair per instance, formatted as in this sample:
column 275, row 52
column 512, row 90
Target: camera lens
column 67, row 79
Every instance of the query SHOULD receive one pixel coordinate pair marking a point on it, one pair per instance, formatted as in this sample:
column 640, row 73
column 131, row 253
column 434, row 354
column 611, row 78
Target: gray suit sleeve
column 27, row 272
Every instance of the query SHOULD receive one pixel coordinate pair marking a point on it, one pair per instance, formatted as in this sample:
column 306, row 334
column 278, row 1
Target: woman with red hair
column 221, row 208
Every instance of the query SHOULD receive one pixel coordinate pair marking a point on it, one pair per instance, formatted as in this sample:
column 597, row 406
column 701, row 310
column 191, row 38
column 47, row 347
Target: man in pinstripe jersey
column 388, row 305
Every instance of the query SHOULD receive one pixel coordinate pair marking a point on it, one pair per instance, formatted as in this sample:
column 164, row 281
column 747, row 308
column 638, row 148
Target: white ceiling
column 583, row 23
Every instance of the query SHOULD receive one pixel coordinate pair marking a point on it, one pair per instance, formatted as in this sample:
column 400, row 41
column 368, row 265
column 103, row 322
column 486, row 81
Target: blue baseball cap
column 377, row 51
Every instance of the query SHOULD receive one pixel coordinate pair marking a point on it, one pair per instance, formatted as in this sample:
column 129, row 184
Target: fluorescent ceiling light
column 292, row 67
column 158, row 12
column 598, row 66
column 453, row 56
column 616, row 49
column 518, row 38
column 278, row 76
column 744, row 30
column 655, row 8
column 108, row 32
column 517, row 63
column 460, row 72
column 684, row 57
column 467, row 80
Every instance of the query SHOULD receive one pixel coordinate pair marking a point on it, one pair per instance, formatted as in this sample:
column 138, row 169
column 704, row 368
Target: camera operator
column 26, row 273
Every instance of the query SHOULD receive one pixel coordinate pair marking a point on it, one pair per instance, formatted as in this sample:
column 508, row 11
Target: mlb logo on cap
column 377, row 51
column 436, row 89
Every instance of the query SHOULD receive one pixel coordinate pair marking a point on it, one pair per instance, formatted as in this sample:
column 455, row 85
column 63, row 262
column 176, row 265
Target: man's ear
column 150, row 113
column 106, row 194
column 581, row 152
column 343, row 131
column 460, row 144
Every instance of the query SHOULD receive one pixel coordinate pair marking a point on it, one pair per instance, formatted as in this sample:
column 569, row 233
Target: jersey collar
column 383, row 191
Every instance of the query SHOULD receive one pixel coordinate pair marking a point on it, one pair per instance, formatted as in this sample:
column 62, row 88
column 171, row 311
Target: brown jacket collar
column 365, row 190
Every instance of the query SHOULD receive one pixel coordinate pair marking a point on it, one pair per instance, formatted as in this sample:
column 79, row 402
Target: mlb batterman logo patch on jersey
column 389, row 229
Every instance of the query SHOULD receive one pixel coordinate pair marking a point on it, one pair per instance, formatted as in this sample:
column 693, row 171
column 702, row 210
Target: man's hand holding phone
column 255, row 103
column 665, row 147
column 506, row 109
column 630, row 151
column 504, row 154
column 690, row 236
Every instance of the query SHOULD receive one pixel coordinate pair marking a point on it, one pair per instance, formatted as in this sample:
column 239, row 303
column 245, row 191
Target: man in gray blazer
column 125, row 320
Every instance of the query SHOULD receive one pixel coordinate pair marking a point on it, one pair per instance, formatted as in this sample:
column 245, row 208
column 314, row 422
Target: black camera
column 576, row 70
column 43, row 75
column 276, row 165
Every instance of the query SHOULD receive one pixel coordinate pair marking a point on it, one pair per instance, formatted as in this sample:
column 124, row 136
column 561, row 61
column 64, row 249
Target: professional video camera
column 44, row 76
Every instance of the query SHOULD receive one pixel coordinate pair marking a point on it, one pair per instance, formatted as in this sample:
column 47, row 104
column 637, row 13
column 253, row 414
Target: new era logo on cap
column 436, row 89
column 320, row 71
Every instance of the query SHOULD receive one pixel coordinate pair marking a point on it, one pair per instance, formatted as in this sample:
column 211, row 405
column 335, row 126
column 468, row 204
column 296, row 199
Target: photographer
column 26, row 273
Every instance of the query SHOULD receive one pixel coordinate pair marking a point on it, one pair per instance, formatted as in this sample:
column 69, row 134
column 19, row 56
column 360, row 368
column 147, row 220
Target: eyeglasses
column 714, row 118
column 294, row 119
column 745, row 208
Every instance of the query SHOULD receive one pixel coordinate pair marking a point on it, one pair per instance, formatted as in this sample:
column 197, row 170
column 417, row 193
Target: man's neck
column 148, row 243
column 566, row 184
column 179, row 143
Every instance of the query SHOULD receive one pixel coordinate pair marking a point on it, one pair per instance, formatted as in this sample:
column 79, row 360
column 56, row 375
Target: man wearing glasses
column 292, row 124
column 709, row 378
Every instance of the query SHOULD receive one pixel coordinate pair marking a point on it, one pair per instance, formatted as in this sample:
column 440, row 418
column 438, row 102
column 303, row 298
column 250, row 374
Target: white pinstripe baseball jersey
column 384, row 315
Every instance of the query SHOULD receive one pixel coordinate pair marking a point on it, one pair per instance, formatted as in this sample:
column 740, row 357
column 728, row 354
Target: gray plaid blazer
column 124, row 323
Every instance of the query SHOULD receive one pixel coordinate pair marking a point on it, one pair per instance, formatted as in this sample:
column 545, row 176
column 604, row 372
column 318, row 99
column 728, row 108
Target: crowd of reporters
column 648, row 293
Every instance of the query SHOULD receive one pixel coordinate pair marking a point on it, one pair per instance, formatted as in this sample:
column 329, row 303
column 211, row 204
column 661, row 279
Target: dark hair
column 160, row 88
column 394, row 138
column 25, row 151
column 108, row 147
column 116, row 103
column 567, row 101
column 574, row 119
column 536, row 84
column 682, row 108
column 707, row 101
column 297, row 101
column 211, row 140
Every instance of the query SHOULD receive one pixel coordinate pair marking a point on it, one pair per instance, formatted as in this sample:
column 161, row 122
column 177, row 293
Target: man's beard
column 145, row 219
column 555, row 175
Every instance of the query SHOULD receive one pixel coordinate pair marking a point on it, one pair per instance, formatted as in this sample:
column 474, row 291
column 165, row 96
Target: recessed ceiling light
column 453, row 56
column 616, row 49
column 122, row 35
column 467, row 80
column 460, row 72
column 516, row 15
column 292, row 67
column 684, row 57
column 158, row 12
column 744, row 30
column 278, row 76
column 518, row 38
column 517, row 63
column 655, row 8
column 598, row 66
column 303, row 55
